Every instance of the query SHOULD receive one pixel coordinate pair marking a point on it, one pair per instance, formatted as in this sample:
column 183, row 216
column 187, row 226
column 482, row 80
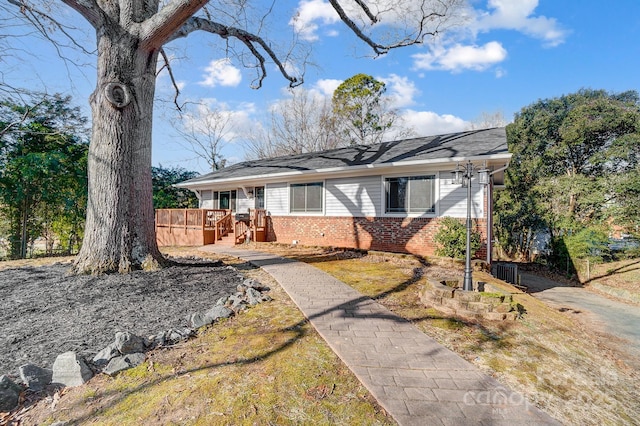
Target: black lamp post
column 462, row 176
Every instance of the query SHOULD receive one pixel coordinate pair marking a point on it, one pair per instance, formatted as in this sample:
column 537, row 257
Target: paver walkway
column 415, row 379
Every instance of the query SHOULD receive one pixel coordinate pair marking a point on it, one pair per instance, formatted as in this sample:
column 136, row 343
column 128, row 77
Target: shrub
column 452, row 239
column 588, row 243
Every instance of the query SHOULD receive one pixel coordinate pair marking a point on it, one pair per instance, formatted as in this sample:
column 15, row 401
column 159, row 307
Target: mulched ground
column 45, row 312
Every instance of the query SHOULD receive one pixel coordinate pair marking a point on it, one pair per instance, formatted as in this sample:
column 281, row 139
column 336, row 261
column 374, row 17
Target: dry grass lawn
column 268, row 366
column 558, row 361
column 265, row 366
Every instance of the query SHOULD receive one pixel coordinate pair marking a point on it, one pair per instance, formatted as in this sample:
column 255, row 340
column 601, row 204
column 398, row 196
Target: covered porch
column 198, row 227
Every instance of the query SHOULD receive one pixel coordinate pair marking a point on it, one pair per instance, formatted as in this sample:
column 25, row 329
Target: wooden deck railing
column 193, row 227
column 256, row 228
column 188, row 227
column 223, row 226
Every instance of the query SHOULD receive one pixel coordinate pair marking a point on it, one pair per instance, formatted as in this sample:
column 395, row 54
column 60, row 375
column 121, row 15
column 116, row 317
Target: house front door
column 225, row 200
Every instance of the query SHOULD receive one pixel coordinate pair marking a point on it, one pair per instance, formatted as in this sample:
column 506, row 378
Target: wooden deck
column 199, row 227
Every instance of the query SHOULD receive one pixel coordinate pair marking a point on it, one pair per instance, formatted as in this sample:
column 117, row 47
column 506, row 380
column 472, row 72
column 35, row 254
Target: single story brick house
column 389, row 196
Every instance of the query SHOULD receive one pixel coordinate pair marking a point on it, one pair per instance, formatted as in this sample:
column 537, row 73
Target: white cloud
column 309, row 12
column 459, row 57
column 327, row 86
column 456, row 51
column 400, row 91
column 221, row 72
column 519, row 15
column 230, row 121
column 427, row 123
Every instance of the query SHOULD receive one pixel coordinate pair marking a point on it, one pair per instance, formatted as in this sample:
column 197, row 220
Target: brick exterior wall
column 400, row 235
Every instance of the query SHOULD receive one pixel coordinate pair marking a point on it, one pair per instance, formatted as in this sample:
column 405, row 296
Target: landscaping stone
column 197, row 320
column 70, row 370
column 253, row 296
column 479, row 307
column 249, row 282
column 106, row 355
column 503, row 308
column 494, row 316
column 217, row 312
column 176, row 335
column 466, row 296
column 128, row 343
column 34, row 377
column 452, row 300
column 127, row 350
column 123, row 362
column 491, row 298
column 9, row 394
column 237, row 303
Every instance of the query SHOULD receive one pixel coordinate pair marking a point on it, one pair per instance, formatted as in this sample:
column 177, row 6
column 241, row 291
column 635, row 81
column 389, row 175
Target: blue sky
column 506, row 55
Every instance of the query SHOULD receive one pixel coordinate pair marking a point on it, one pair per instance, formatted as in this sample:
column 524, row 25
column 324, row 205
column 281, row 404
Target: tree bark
column 119, row 231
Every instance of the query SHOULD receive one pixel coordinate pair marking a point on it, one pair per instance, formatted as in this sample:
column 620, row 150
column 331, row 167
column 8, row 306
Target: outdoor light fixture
column 457, row 175
column 484, row 175
column 462, row 176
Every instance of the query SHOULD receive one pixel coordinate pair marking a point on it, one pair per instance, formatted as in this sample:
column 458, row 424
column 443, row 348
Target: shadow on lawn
column 350, row 309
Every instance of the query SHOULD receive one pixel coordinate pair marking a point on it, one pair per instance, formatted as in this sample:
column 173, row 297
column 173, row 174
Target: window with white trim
column 410, row 194
column 305, row 197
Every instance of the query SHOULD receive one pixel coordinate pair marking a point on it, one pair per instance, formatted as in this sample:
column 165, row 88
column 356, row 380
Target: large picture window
column 305, row 197
column 413, row 194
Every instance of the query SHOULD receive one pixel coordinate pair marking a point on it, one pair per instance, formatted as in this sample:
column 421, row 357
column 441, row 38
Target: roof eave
column 271, row 177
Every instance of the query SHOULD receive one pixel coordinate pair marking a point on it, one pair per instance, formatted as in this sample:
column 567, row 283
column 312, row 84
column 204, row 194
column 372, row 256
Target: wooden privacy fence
column 191, row 227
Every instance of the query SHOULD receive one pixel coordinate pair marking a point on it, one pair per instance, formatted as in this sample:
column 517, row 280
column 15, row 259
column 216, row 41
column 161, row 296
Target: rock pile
column 127, row 350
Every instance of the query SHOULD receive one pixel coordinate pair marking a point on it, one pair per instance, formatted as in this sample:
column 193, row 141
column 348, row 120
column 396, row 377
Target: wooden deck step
column 227, row 241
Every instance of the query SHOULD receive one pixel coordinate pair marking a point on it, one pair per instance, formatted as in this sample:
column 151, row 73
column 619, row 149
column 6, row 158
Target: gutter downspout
column 490, row 214
column 489, row 221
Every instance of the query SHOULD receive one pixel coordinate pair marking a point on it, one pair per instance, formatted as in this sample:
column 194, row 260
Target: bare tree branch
column 158, row 29
column 205, row 131
column 428, row 14
column 38, row 18
column 89, row 9
column 367, row 11
column 378, row 48
column 251, row 41
column 167, row 65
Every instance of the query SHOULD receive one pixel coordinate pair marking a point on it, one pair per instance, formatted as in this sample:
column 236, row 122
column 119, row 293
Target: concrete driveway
column 616, row 318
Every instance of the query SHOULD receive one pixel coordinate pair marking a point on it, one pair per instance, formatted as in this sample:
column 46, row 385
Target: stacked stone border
column 486, row 301
column 127, row 350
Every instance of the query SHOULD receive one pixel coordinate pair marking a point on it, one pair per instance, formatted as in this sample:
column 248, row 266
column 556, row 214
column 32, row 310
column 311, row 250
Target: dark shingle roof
column 462, row 145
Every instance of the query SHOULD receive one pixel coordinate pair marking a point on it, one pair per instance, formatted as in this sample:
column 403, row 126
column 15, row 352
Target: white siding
column 277, row 199
column 206, row 199
column 243, row 204
column 453, row 198
column 357, row 197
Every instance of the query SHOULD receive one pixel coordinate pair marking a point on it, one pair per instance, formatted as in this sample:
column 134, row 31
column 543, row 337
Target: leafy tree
column 588, row 243
column 574, row 158
column 130, row 37
column 43, row 173
column 165, row 195
column 452, row 239
column 361, row 111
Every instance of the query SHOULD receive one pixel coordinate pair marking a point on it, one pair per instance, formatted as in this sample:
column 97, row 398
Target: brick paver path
column 417, row 380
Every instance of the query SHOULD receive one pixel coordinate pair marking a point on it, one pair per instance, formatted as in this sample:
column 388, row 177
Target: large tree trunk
column 119, row 231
